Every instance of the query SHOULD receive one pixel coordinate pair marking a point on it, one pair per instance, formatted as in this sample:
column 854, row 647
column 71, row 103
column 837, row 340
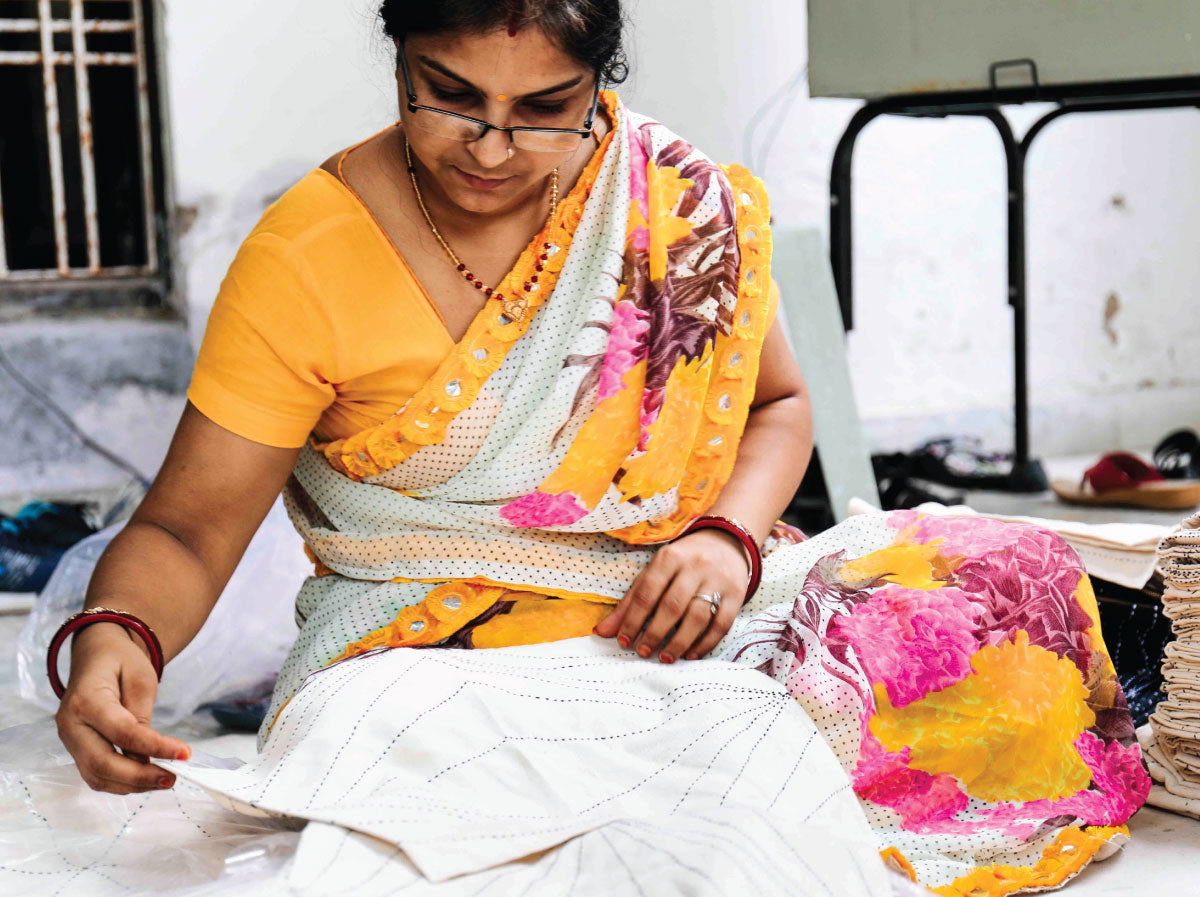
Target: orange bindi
column 501, row 98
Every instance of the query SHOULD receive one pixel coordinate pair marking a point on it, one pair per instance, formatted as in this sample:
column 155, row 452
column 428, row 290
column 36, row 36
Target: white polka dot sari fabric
column 474, row 504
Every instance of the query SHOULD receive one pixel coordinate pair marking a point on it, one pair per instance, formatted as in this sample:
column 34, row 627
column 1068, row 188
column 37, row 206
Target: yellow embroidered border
column 736, row 357
column 477, row 355
column 898, row 862
column 444, row 611
column 1071, row 850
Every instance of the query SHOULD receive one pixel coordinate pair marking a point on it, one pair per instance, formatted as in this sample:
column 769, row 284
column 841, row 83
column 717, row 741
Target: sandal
column 1177, row 457
column 1120, row 478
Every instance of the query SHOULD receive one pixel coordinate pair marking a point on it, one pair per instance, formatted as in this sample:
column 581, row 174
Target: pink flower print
column 921, row 799
column 1119, row 788
column 912, row 641
column 639, row 190
column 626, row 347
column 963, row 536
column 1030, row 585
column 1119, row 783
column 540, row 509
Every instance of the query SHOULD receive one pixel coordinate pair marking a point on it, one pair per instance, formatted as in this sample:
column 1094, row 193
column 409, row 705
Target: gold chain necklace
column 514, row 306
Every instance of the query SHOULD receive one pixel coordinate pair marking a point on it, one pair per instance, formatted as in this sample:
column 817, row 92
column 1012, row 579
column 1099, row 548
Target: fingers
column 697, row 617
column 662, row 597
column 111, row 742
column 126, row 731
column 668, row 611
column 720, row 625
column 643, row 597
column 608, row 627
column 103, row 769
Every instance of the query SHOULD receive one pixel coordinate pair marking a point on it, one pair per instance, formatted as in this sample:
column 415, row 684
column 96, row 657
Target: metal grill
column 68, row 17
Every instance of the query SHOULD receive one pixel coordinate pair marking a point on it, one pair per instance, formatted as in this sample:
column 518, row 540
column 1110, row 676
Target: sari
column 954, row 666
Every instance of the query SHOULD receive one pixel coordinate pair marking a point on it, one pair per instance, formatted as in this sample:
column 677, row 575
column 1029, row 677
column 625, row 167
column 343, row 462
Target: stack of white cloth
column 1122, row 553
column 1171, row 740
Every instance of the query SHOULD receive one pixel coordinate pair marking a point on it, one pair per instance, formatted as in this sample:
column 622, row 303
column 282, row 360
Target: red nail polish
column 665, row 658
column 623, row 641
column 643, row 650
column 182, row 755
column 164, row 783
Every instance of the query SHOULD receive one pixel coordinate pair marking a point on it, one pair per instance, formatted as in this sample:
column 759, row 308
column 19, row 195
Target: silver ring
column 713, row 599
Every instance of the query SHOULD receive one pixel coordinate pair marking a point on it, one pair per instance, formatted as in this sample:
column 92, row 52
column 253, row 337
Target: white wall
column 1113, row 209
column 260, row 94
column 259, row 97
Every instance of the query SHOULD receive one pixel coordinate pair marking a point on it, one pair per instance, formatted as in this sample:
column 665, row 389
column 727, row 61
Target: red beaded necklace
column 514, row 306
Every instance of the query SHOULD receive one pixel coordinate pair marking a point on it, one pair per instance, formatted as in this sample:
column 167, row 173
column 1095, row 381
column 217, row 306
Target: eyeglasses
column 452, row 125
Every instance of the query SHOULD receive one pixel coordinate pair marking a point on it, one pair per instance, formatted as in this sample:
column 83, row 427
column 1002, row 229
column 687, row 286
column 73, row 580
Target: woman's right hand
column 107, row 707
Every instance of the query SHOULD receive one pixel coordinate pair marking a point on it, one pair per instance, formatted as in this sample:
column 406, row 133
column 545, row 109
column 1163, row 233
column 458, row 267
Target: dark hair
column 589, row 30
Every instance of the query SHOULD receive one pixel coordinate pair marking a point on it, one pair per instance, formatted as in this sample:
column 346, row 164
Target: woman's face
column 519, row 80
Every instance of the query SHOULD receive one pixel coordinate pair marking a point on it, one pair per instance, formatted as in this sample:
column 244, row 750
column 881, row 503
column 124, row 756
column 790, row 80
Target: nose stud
column 511, row 152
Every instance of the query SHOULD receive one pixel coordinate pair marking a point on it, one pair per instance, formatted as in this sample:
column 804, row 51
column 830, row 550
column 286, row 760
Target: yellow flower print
column 603, row 442
column 911, row 566
column 1006, row 730
column 666, row 188
column 660, row 468
column 1102, row 681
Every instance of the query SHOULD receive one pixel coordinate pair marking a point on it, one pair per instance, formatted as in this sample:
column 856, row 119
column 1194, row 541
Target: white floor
column 1161, row 859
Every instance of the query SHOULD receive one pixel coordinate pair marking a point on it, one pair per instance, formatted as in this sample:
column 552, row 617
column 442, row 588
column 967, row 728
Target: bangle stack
column 742, row 534
column 101, row 615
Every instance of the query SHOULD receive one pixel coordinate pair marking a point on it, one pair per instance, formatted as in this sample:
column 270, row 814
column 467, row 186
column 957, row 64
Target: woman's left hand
column 663, row 594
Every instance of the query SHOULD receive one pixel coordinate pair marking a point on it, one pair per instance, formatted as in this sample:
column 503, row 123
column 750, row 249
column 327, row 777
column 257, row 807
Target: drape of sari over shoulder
column 956, row 668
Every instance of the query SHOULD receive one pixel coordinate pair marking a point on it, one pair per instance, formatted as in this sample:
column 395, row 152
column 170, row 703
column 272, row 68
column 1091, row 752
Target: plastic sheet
column 59, row 836
column 249, row 631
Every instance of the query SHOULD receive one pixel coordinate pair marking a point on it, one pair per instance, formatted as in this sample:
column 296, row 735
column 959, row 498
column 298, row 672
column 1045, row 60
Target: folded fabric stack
column 1172, row 739
column 1121, row 553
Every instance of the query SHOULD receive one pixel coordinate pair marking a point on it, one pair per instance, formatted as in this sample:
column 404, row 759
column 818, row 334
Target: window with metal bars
column 81, row 197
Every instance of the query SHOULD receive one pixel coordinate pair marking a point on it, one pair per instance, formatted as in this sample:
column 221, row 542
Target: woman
column 514, row 365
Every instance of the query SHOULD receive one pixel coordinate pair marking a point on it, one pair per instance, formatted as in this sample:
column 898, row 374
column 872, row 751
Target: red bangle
column 739, row 531
column 100, row 615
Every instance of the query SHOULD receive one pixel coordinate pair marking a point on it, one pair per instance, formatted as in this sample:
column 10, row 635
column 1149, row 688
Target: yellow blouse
column 320, row 326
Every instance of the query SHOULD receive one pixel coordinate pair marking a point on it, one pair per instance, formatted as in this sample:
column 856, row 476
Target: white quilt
column 565, row 768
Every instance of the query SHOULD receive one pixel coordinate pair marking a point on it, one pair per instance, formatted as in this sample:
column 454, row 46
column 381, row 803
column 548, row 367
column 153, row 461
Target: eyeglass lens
column 459, row 129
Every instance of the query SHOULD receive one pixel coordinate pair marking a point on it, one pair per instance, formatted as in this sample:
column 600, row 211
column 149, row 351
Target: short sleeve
column 258, row 371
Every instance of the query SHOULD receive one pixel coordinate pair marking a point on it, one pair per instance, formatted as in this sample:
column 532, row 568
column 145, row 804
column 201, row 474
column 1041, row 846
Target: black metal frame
column 1164, row 93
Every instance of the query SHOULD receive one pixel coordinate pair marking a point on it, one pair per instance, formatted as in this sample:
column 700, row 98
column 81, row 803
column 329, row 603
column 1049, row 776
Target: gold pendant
column 516, row 308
